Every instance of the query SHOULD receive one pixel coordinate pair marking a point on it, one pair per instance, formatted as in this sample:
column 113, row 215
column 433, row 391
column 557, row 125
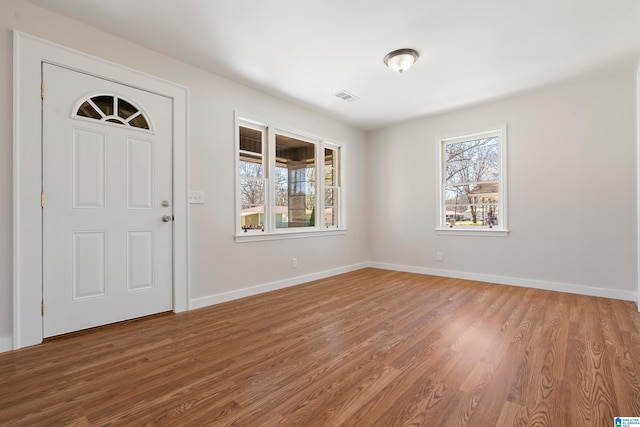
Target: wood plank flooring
column 368, row 348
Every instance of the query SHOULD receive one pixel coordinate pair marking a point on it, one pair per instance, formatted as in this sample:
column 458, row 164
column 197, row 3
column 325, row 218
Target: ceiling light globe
column 401, row 59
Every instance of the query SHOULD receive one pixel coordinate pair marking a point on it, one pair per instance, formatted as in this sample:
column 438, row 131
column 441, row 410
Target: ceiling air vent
column 346, row 96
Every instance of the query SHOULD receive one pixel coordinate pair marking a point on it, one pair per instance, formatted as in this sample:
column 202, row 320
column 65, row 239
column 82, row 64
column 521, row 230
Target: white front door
column 107, row 216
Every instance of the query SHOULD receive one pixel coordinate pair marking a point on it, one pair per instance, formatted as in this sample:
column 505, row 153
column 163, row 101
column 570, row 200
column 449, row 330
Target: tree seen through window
column 471, row 181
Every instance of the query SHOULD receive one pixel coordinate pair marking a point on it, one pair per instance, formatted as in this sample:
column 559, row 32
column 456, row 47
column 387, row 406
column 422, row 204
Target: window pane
column 331, row 217
column 332, row 186
column 252, row 199
column 329, row 176
column 250, row 140
column 295, row 182
column 472, row 205
column 87, row 110
column 252, row 217
column 250, row 166
column 251, row 159
column 252, row 191
column 331, row 197
column 105, row 103
column 125, row 109
column 331, row 167
column 472, row 161
column 139, row 122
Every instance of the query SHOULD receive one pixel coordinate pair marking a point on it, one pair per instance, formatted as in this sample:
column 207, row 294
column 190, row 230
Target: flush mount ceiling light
column 401, row 59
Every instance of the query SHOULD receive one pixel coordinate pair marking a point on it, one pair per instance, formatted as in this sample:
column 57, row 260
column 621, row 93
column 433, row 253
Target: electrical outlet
column 196, row 197
column 294, row 263
column 439, row 256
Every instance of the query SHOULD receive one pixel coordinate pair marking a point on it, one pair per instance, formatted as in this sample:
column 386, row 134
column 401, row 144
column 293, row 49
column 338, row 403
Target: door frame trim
column 28, row 54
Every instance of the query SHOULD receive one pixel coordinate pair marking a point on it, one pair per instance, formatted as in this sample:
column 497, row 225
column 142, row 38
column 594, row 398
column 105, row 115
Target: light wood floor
column 368, row 348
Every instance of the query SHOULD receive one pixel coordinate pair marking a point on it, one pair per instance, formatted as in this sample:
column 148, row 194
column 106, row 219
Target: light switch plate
column 196, row 197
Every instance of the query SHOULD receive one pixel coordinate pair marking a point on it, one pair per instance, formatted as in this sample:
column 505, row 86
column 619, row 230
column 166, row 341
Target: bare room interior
column 319, row 213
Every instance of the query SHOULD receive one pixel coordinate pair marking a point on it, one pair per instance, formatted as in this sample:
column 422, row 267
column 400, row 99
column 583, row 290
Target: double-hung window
column 473, row 183
column 287, row 183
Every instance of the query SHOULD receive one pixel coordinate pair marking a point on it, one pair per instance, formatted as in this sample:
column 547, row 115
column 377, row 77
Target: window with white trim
column 285, row 180
column 473, row 182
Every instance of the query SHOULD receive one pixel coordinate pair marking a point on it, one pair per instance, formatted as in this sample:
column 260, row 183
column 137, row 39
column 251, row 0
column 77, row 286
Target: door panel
column 88, row 158
column 107, row 254
column 140, row 260
column 89, row 264
column 139, row 174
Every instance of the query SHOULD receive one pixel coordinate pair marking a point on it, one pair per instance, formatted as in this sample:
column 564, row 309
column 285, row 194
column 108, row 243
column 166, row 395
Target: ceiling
column 306, row 51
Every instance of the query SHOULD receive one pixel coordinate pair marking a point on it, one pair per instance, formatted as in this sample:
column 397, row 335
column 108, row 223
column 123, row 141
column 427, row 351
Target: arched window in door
column 113, row 109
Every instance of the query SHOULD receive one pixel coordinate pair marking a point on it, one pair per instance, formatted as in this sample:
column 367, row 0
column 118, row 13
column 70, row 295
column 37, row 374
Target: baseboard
column 6, row 344
column 502, row 280
column 514, row 281
column 255, row 290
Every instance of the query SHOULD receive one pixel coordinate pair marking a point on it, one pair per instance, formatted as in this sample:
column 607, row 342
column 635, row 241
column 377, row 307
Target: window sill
column 459, row 231
column 257, row 236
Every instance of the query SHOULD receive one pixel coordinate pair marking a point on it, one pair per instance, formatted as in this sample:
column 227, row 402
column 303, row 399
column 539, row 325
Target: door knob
column 167, row 218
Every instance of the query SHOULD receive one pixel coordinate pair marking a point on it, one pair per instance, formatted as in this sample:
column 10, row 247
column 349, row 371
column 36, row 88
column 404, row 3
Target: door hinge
column 41, row 90
column 42, row 307
column 42, row 199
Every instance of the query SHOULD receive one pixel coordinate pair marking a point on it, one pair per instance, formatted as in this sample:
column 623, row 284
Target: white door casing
column 30, row 53
column 107, row 182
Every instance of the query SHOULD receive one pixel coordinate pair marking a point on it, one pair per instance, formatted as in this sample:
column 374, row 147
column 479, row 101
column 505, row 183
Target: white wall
column 218, row 264
column 571, row 185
